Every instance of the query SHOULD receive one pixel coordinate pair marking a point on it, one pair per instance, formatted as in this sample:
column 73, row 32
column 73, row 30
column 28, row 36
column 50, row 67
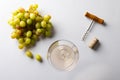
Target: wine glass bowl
column 63, row 55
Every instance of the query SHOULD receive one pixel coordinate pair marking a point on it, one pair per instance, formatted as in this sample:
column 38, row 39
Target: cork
column 93, row 43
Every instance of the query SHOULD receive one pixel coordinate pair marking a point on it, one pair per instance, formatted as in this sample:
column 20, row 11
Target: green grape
column 43, row 24
column 38, row 32
column 35, row 6
column 33, row 41
column 39, row 18
column 38, row 57
column 29, row 33
column 15, row 13
column 26, row 15
column 49, row 26
column 32, row 16
column 29, row 54
column 14, row 17
column 17, row 36
column 47, row 17
column 20, row 15
column 27, row 41
column 35, row 37
column 17, row 21
column 29, row 21
column 48, row 33
column 24, row 19
column 37, row 25
column 13, row 35
column 22, row 10
column 20, row 40
column 21, row 46
column 19, row 32
column 12, row 23
column 22, row 23
column 36, row 12
column 31, row 8
column 43, row 30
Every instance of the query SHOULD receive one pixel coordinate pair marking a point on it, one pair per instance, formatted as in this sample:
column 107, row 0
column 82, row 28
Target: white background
column 69, row 24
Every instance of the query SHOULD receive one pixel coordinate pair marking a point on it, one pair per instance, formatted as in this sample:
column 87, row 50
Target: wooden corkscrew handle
column 95, row 18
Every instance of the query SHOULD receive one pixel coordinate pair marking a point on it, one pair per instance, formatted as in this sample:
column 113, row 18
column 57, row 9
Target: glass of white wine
column 63, row 55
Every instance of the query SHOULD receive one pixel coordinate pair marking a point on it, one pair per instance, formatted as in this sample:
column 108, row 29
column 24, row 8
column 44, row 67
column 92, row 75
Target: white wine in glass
column 63, row 55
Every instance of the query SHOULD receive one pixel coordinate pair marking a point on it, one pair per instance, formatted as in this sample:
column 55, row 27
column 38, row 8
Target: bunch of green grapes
column 29, row 25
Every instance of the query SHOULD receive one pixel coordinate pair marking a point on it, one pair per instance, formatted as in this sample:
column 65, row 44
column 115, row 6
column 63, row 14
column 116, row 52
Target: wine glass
column 63, row 55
